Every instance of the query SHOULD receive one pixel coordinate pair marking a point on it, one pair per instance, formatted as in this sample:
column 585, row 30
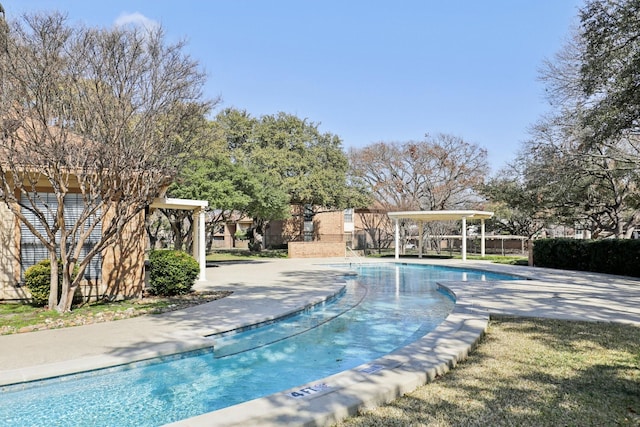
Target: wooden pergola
column 421, row 216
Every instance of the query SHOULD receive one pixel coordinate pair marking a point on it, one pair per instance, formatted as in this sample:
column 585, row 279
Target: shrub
column 569, row 254
column 37, row 279
column 172, row 272
column 241, row 235
column 613, row 256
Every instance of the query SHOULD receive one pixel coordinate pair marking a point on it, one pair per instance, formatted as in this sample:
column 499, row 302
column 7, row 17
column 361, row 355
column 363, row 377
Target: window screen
column 33, row 251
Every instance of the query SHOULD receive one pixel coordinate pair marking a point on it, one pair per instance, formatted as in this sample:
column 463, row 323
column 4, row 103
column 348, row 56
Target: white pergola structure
column 199, row 242
column 421, row 216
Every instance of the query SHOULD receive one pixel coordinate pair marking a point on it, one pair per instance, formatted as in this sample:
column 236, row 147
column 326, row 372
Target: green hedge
column 612, row 256
column 172, row 272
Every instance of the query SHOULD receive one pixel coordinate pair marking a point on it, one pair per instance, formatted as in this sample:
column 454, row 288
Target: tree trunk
column 68, row 289
column 256, row 236
column 177, row 235
column 53, row 290
column 619, row 233
column 629, row 233
column 64, row 304
column 152, row 232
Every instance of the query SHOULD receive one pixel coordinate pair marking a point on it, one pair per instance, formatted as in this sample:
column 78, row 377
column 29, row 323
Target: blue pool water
column 385, row 307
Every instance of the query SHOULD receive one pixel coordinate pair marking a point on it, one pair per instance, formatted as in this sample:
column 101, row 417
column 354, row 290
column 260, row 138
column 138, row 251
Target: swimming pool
column 387, row 307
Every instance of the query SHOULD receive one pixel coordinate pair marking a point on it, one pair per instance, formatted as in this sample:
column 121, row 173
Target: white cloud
column 136, row 19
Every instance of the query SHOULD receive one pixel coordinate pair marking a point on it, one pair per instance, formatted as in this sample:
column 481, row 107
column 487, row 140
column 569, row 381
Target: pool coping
column 328, row 400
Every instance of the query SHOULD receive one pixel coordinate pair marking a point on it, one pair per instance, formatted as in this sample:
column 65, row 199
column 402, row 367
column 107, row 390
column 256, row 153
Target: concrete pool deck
column 268, row 289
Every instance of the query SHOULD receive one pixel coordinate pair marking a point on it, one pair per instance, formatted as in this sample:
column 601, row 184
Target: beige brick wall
column 327, row 226
column 316, row 249
column 122, row 263
column 9, row 257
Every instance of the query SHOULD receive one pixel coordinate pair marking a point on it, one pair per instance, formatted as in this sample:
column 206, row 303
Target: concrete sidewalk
column 267, row 289
column 557, row 294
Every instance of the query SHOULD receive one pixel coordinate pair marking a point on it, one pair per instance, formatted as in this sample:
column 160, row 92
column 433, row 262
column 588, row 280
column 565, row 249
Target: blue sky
column 366, row 70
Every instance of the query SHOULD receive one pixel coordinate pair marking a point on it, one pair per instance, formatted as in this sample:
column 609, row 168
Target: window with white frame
column 348, row 215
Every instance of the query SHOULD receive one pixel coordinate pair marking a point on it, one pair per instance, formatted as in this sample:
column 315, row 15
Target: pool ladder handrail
column 359, row 259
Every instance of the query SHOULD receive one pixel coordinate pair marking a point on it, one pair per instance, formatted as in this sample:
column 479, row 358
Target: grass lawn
column 530, row 373
column 222, row 255
column 499, row 259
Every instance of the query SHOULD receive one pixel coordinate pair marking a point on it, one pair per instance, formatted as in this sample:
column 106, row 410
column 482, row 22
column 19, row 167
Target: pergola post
column 464, row 238
column 199, row 242
column 482, row 246
column 420, row 232
column 454, row 215
column 397, row 239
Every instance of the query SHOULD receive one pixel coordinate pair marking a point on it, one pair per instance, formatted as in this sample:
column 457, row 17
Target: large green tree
column 310, row 165
column 292, row 155
column 267, row 198
column 221, row 174
column 259, row 167
column 610, row 68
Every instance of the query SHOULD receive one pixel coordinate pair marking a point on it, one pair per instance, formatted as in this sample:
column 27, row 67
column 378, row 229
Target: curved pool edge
column 23, row 376
column 331, row 399
column 180, row 341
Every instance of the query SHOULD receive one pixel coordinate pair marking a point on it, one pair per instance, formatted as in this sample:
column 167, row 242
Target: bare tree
column 440, row 172
column 595, row 188
column 105, row 114
column 583, row 158
column 376, row 227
